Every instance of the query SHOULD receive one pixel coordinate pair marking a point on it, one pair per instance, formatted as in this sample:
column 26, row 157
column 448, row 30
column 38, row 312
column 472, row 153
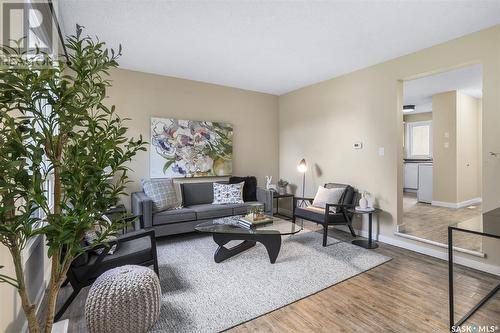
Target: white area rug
column 202, row 296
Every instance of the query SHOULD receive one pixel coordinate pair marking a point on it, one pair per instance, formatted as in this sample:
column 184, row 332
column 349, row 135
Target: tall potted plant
column 71, row 138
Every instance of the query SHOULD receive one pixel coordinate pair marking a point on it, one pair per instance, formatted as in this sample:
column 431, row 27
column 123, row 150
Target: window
column 419, row 139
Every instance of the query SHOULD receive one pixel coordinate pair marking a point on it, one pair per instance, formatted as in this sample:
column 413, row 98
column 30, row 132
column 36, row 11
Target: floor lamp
column 302, row 167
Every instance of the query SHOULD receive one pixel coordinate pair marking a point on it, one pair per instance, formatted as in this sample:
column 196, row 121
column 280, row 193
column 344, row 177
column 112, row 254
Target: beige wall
column 456, row 147
column 468, row 145
column 322, row 121
column 444, row 147
column 140, row 96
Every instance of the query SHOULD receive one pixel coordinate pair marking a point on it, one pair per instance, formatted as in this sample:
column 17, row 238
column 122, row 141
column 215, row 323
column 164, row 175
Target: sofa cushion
column 228, row 193
column 162, row 192
column 197, row 193
column 326, row 196
column 209, row 211
column 174, row 216
column 249, row 188
column 349, row 196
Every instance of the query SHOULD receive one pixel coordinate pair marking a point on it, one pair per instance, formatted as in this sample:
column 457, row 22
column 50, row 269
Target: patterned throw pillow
column 228, row 193
column 162, row 193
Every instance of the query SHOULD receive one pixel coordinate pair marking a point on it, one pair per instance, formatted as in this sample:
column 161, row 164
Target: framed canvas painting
column 189, row 148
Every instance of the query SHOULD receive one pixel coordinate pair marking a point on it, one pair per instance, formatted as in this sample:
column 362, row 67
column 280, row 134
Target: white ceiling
column 469, row 80
column 271, row 46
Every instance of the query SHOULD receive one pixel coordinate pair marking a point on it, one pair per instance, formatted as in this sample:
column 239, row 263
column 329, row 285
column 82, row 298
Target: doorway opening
column 442, row 155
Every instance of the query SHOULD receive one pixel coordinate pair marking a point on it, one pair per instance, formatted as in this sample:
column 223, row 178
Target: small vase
column 282, row 190
column 363, row 203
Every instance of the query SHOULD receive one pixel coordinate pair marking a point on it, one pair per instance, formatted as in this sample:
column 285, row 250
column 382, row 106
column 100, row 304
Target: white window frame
column 409, row 139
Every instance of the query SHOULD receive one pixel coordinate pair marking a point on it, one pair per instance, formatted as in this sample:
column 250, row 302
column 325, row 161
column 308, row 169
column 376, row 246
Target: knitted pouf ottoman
column 124, row 299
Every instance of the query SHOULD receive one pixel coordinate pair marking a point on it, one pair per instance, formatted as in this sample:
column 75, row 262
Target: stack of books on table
column 250, row 222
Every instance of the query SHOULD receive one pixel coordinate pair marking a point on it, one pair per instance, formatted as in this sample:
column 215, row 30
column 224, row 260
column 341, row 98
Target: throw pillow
column 249, row 188
column 91, row 236
column 228, row 193
column 327, row 196
column 162, row 193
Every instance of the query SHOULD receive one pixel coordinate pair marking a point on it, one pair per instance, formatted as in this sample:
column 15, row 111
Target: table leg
column 450, row 277
column 272, row 243
column 222, row 253
column 370, row 230
column 367, row 244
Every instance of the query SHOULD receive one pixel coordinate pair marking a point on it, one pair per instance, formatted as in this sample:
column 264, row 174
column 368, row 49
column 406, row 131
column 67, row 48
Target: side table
column 369, row 243
column 278, row 196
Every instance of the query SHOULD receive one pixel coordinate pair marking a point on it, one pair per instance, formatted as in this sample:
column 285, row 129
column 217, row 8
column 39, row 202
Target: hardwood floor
column 431, row 222
column 407, row 294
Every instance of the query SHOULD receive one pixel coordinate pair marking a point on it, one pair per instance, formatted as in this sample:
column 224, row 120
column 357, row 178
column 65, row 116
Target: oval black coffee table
column 226, row 229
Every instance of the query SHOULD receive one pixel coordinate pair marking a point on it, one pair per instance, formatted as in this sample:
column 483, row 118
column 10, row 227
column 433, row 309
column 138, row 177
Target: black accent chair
column 327, row 217
column 134, row 248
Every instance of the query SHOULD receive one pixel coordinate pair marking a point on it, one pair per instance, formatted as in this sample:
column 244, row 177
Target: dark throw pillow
column 249, row 188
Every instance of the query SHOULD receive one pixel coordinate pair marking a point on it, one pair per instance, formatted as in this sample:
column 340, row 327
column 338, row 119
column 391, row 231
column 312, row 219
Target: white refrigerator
column 424, row 192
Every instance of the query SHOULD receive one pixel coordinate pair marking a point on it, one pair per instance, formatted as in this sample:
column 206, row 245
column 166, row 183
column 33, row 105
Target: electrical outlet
column 381, row 151
column 357, row 145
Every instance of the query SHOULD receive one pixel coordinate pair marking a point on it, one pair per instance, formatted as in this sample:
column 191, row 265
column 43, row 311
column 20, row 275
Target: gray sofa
column 197, row 207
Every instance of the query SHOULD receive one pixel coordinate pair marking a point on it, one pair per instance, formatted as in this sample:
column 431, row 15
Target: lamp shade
column 302, row 166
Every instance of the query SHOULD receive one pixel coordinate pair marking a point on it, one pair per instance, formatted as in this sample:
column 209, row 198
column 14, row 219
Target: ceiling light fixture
column 408, row 108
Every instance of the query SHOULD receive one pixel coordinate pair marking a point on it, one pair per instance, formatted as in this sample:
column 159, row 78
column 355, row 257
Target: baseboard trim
column 455, row 205
column 438, row 252
column 445, row 246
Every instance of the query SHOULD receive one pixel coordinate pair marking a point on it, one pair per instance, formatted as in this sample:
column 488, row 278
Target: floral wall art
column 189, row 148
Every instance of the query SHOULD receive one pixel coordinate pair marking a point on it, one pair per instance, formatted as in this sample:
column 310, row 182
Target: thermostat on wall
column 357, row 145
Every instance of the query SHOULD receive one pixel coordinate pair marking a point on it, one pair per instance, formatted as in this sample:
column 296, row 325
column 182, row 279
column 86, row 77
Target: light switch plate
column 446, row 134
column 357, row 145
column 381, row 151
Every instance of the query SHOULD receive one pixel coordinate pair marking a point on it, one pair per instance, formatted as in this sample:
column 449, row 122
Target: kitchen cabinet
column 411, row 176
column 424, row 193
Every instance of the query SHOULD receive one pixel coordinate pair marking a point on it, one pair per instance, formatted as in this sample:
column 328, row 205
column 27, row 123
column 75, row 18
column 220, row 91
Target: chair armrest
column 136, row 235
column 143, row 205
column 342, row 207
column 125, row 238
column 265, row 196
